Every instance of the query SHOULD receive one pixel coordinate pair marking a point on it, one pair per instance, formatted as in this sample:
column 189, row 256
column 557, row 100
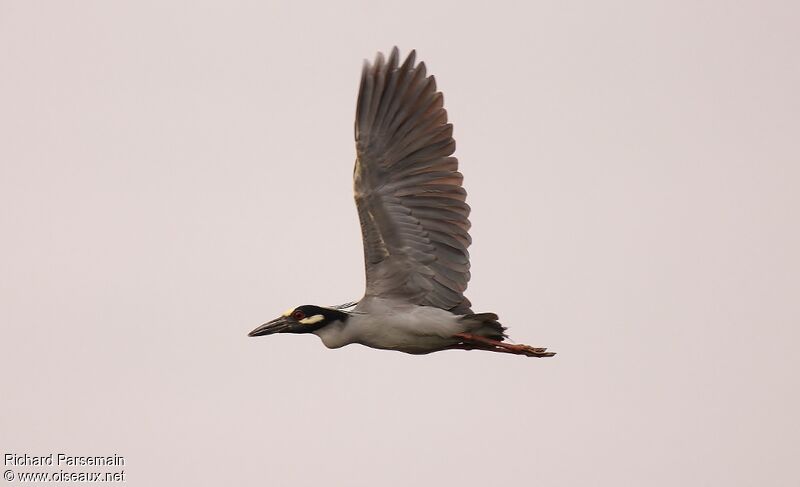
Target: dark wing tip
column 423, row 70
column 393, row 61
column 393, row 58
column 411, row 58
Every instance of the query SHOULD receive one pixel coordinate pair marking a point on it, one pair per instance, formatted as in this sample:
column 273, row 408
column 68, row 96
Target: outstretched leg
column 471, row 342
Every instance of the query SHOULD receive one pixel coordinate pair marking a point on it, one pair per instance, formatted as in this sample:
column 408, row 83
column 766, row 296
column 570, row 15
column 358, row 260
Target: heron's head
column 302, row 319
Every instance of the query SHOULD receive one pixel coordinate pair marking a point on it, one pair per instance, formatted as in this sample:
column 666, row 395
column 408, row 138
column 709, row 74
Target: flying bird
column 414, row 225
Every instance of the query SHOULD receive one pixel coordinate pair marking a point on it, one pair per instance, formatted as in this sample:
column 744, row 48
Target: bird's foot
column 530, row 351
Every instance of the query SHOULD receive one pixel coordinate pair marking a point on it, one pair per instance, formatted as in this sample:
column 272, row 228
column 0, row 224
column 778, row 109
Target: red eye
column 298, row 315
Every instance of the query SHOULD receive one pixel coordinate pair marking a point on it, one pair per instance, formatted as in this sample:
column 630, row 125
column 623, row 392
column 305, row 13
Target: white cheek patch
column 311, row 320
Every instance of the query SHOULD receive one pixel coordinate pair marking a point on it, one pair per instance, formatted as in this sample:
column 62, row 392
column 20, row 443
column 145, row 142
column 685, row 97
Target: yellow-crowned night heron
column 414, row 223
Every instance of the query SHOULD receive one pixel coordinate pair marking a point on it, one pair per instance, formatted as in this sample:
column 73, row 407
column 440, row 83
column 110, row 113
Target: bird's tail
column 486, row 325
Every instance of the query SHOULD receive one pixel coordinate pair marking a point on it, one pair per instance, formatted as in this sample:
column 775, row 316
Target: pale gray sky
column 173, row 174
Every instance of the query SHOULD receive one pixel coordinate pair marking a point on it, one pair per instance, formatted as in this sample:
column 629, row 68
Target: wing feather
column 408, row 190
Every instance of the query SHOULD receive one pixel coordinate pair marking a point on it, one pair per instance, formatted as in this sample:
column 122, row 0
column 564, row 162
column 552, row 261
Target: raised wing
column 414, row 219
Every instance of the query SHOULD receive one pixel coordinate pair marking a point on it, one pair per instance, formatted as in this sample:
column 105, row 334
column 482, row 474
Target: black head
column 302, row 319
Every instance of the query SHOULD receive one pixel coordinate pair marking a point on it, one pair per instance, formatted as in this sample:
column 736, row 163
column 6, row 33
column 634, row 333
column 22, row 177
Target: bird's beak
column 277, row 325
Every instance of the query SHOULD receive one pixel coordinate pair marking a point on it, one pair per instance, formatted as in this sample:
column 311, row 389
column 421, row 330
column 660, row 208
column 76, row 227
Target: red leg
column 470, row 341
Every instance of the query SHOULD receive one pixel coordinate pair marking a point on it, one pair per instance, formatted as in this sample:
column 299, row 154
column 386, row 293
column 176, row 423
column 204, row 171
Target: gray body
column 396, row 325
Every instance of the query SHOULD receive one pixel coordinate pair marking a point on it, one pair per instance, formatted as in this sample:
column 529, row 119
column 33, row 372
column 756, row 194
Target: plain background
column 173, row 174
